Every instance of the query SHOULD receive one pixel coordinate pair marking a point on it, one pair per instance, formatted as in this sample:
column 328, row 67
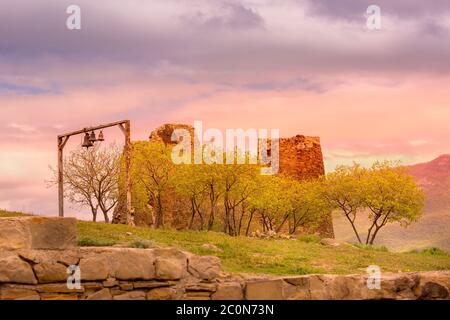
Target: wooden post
column 130, row 218
column 60, row 177
column 62, row 140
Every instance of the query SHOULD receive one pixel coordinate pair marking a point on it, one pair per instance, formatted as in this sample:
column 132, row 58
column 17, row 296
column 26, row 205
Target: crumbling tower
column 301, row 158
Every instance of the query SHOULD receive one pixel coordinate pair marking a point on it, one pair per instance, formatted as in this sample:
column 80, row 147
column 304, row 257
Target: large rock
column 161, row 294
column 120, row 263
column 66, row 257
column 18, row 294
column 264, row 290
column 228, row 291
column 204, row 267
column 168, row 269
column 57, row 288
column 50, row 272
column 330, row 242
column 133, row 295
column 103, row 294
column 37, row 233
column 15, row 270
column 433, row 285
column 133, row 264
column 94, row 268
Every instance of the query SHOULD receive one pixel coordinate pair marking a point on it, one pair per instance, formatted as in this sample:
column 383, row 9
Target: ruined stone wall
column 301, row 158
column 164, row 132
column 162, row 274
column 34, row 267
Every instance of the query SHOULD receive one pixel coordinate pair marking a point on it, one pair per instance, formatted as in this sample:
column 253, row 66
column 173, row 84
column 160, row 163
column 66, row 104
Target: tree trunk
column 282, row 223
column 211, row 218
column 213, row 201
column 105, row 215
column 352, row 222
column 159, row 213
column 191, row 222
column 374, row 235
column 249, row 222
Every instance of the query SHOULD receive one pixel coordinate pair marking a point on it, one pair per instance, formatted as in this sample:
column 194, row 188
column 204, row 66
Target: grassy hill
column 250, row 255
column 432, row 229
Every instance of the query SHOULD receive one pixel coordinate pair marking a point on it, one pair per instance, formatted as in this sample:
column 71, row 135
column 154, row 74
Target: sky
column 302, row 66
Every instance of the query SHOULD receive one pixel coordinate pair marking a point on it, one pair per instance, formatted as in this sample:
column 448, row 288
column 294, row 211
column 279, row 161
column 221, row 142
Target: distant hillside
column 433, row 228
column 434, row 178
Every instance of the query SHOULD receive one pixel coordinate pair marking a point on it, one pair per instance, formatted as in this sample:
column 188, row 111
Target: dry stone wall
column 36, row 253
column 139, row 274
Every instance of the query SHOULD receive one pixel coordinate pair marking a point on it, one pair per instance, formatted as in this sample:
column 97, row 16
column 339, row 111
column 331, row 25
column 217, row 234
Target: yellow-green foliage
column 386, row 190
column 226, row 197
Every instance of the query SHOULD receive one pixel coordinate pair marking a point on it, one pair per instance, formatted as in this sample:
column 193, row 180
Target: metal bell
column 100, row 136
column 87, row 143
column 92, row 137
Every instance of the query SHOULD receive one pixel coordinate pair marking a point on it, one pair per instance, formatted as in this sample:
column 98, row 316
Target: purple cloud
column 356, row 9
column 234, row 16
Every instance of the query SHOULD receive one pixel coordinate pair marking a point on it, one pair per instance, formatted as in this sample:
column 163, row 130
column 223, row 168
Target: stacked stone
column 393, row 286
column 301, row 158
column 35, row 254
column 108, row 273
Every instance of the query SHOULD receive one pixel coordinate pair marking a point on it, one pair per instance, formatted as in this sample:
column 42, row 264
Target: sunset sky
column 305, row 67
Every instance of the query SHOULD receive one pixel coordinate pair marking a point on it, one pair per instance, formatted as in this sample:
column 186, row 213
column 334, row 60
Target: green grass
column 433, row 251
column 4, row 213
column 371, row 247
column 309, row 238
column 277, row 257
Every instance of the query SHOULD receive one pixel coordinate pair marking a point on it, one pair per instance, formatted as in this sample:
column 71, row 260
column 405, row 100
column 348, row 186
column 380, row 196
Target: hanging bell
column 92, row 137
column 87, row 143
column 100, row 136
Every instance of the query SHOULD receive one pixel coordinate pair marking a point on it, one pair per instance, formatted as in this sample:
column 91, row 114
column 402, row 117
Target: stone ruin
column 36, row 254
column 300, row 157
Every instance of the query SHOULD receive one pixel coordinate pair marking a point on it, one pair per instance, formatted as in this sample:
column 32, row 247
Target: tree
column 152, row 168
column 91, row 178
column 211, row 178
column 308, row 204
column 343, row 190
column 272, row 202
column 391, row 195
column 189, row 180
column 238, row 183
column 386, row 190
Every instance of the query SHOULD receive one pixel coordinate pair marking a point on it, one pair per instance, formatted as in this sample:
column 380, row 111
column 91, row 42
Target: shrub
column 143, row 244
column 93, row 242
column 434, row 251
column 309, row 238
column 371, row 247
